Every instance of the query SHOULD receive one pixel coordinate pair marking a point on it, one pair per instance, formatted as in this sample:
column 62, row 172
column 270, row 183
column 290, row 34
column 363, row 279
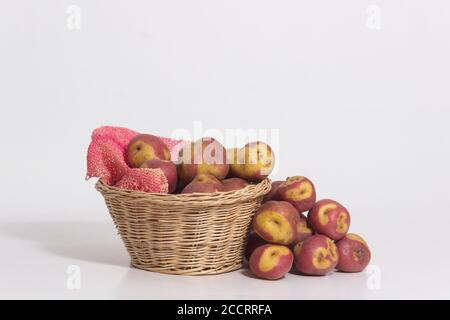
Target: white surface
column 38, row 254
column 363, row 113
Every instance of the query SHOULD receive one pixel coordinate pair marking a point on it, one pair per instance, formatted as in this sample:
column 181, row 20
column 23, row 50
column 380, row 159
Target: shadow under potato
column 92, row 241
column 246, row 272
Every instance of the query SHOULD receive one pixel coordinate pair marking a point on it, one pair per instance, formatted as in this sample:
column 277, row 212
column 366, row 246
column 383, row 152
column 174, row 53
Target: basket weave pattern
column 191, row 234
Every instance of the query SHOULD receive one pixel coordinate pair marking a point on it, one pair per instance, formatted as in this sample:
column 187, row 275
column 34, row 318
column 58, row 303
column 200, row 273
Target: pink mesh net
column 144, row 179
column 106, row 160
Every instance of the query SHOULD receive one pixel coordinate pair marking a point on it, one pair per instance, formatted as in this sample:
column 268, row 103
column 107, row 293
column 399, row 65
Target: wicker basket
column 190, row 234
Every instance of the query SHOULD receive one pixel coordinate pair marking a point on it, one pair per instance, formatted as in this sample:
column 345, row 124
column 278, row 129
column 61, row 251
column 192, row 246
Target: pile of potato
column 281, row 236
column 204, row 166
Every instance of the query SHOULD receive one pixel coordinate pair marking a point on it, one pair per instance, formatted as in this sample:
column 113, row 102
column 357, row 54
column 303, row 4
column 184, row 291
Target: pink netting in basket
column 106, row 160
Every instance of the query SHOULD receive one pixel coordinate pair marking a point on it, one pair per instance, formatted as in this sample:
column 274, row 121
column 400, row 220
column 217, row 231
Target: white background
column 362, row 112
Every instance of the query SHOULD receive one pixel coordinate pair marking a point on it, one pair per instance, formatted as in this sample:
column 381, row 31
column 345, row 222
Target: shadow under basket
column 190, row 234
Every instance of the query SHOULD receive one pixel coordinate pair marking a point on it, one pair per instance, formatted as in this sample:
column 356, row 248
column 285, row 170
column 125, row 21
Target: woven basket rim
column 249, row 192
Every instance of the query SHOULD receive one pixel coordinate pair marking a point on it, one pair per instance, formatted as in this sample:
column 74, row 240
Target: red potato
column 302, row 228
column 203, row 183
column 168, row 168
column 234, row 160
column 354, row 253
column 330, row 218
column 276, row 222
column 298, row 191
column 316, row 255
column 234, row 184
column 253, row 162
column 205, row 155
column 254, row 241
column 145, row 147
column 271, row 261
column 271, row 195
